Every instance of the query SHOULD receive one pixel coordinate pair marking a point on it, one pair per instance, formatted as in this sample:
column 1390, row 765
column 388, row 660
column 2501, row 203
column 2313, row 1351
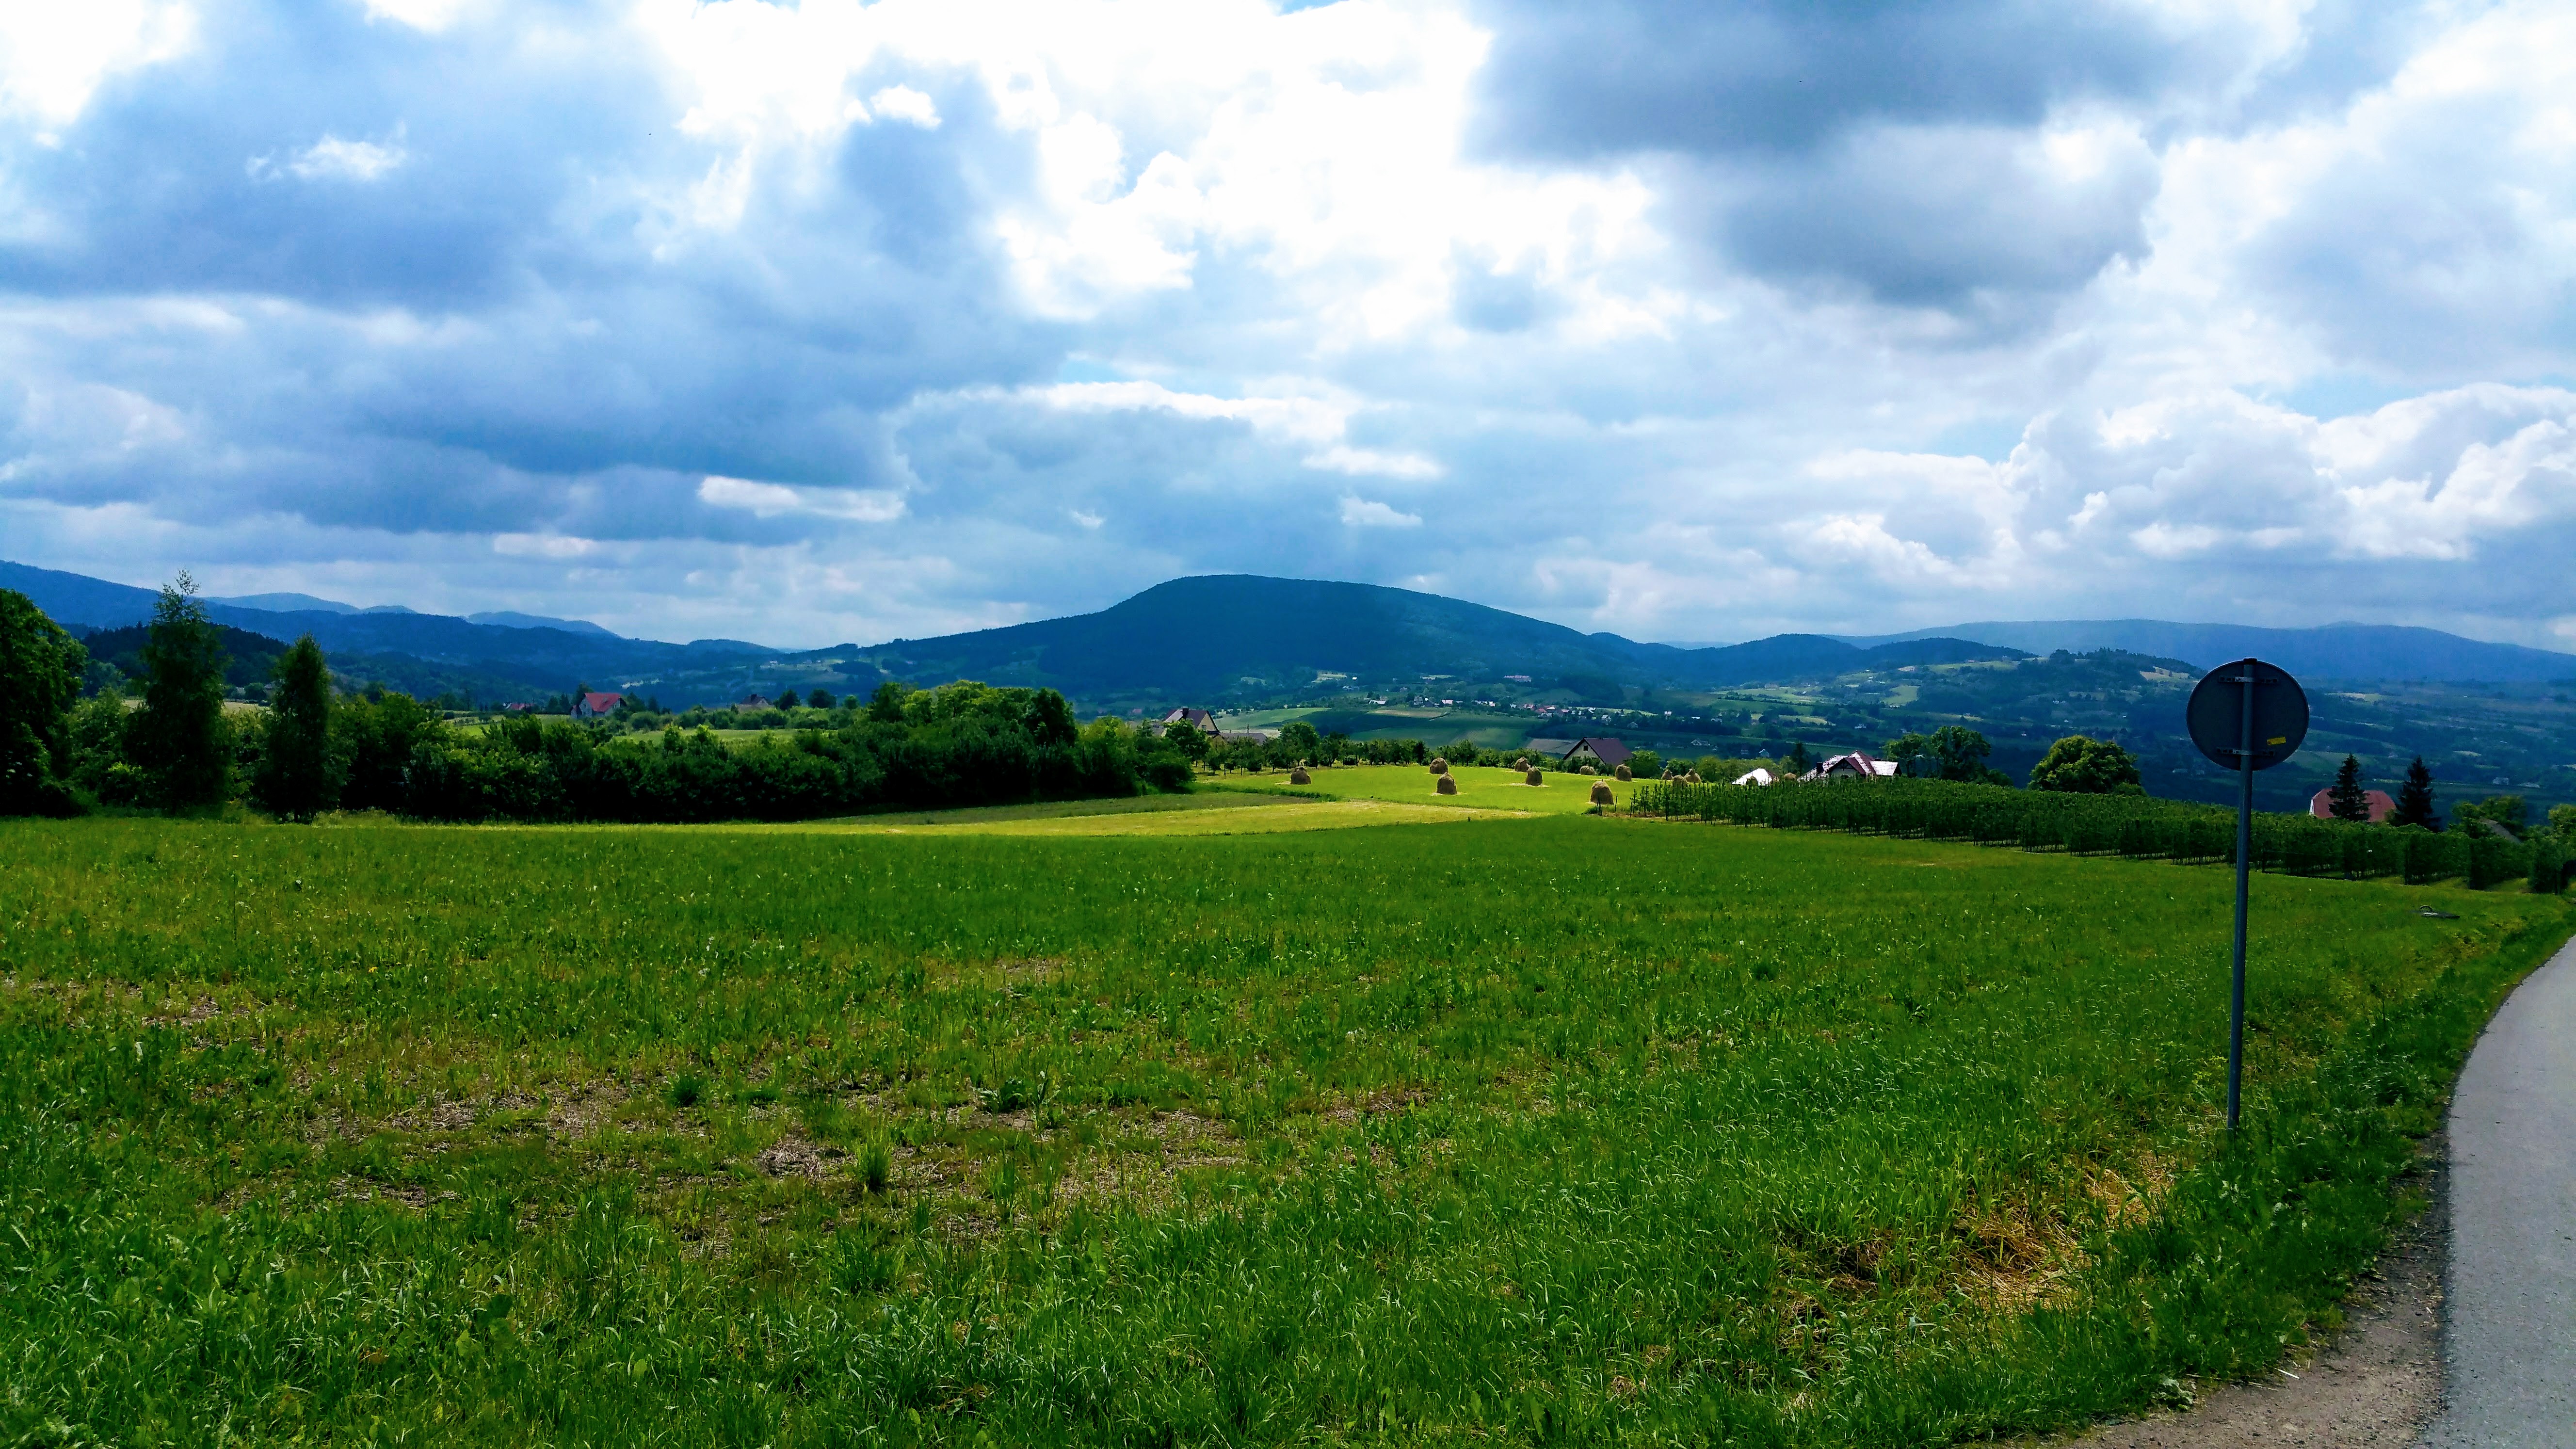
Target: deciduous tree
column 299, row 773
column 40, row 676
column 2082, row 765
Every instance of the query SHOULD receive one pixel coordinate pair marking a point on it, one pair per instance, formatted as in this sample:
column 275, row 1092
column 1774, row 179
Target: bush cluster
column 2117, row 824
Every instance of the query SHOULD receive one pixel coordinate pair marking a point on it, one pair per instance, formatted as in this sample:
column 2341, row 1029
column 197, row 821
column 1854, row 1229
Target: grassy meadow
column 1520, row 1131
column 1479, row 786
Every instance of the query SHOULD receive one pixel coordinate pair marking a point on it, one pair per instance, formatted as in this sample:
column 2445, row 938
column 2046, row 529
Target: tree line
column 315, row 749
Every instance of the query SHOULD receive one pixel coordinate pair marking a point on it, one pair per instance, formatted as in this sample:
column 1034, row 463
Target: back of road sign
column 2216, row 717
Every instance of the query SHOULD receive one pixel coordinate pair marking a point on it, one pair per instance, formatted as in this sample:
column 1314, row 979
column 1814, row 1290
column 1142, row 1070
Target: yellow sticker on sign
column 2278, row 740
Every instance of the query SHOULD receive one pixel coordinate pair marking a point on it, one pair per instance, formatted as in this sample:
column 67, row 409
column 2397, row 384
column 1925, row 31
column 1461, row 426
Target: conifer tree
column 180, row 740
column 2348, row 800
column 299, row 774
column 2415, row 799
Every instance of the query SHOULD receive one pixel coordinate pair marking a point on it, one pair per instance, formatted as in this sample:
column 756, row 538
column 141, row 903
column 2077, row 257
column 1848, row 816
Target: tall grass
column 1546, row 1131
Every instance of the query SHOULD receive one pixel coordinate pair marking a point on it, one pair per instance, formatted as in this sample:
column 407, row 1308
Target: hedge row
column 2131, row 825
column 562, row 772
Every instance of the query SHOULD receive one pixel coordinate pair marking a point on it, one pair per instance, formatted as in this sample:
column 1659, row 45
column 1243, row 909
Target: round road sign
column 2217, row 713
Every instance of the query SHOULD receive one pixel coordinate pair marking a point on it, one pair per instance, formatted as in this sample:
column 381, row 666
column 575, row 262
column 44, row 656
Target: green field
column 1478, row 787
column 1523, row 1131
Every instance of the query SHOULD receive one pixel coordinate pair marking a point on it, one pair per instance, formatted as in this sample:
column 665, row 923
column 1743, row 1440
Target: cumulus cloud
column 811, row 320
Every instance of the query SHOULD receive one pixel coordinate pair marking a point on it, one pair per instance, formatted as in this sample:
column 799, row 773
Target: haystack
column 1601, row 793
column 1693, row 779
column 1536, row 777
column 1622, row 773
column 1590, row 771
column 1298, row 776
column 1439, row 766
column 1448, row 785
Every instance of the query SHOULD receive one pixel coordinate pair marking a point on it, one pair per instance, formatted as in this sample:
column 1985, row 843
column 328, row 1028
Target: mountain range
column 1234, row 637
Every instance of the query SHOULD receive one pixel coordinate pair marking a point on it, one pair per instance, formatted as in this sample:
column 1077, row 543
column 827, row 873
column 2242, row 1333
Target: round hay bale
column 1601, row 793
column 1439, row 766
column 1448, row 785
column 1590, row 771
column 1536, row 777
column 1622, row 773
column 1298, row 776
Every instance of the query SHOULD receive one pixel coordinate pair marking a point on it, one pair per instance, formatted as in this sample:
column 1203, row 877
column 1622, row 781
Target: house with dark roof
column 2321, row 804
column 1600, row 750
column 596, row 705
column 751, row 703
column 1197, row 719
column 1553, row 749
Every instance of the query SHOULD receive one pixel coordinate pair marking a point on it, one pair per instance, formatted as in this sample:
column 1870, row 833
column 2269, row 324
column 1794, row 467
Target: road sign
column 2248, row 716
column 2215, row 715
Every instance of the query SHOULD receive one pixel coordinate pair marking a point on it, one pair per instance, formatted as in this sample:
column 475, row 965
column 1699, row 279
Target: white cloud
column 773, row 500
column 54, row 56
column 1318, row 422
column 432, row 16
column 1365, row 513
column 333, row 159
column 903, row 103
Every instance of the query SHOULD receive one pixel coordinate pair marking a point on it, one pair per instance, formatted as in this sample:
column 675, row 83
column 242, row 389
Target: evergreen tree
column 40, row 676
column 2415, row 799
column 181, row 740
column 299, row 775
column 2348, row 800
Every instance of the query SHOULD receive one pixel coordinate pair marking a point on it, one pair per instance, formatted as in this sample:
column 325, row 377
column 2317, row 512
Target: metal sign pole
column 2244, row 872
column 2257, row 727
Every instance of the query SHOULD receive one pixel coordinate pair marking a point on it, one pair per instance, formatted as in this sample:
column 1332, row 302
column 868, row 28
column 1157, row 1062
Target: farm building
column 1755, row 776
column 749, row 703
column 2321, row 804
column 1553, row 749
column 1858, row 765
column 1197, row 719
column 1600, row 750
column 595, row 705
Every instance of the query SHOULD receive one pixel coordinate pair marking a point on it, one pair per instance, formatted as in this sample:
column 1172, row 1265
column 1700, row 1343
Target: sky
column 825, row 322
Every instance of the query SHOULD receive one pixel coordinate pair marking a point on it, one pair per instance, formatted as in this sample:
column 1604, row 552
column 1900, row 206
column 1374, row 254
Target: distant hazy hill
column 1221, row 634
column 2332, row 651
column 514, row 654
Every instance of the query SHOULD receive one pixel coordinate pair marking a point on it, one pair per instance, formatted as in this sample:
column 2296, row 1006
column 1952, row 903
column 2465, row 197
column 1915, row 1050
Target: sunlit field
column 1524, row 1131
column 1478, row 786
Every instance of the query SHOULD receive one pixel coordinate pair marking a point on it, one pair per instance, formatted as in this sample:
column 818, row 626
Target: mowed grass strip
column 1531, row 1131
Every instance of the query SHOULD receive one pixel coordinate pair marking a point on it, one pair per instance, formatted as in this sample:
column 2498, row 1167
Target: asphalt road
column 2510, row 1343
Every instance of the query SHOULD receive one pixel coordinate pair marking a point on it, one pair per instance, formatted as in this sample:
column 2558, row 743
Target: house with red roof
column 596, row 705
column 2321, row 804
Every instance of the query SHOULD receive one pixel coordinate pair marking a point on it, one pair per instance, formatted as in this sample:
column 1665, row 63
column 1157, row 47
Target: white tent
column 1755, row 776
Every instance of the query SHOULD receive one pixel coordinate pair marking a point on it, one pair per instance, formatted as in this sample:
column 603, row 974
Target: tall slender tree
column 299, row 774
column 2348, row 800
column 180, row 740
column 2415, row 799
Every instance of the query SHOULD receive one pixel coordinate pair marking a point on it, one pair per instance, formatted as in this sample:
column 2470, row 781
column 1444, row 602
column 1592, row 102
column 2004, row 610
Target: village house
column 1858, row 765
column 2321, row 804
column 1607, row 753
column 1197, row 719
column 749, row 704
column 596, row 705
